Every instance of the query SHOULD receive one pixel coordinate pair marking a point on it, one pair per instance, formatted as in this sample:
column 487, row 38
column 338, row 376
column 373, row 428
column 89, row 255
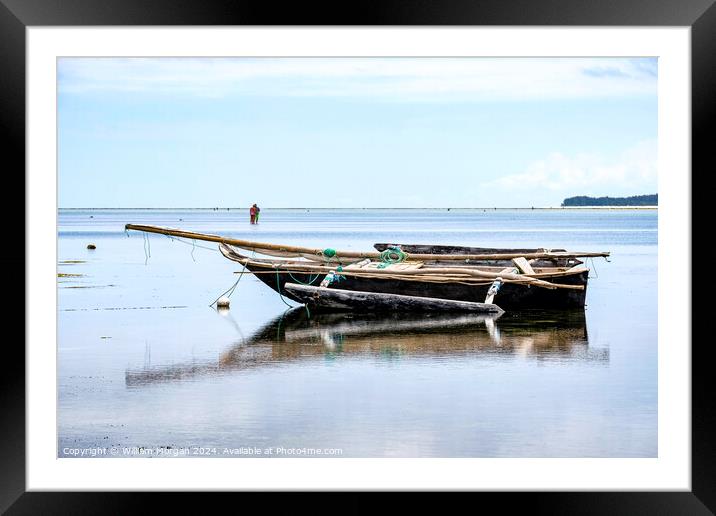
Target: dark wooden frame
column 16, row 15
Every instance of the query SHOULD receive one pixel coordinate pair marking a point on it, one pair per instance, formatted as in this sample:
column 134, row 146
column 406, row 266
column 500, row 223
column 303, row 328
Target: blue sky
column 354, row 132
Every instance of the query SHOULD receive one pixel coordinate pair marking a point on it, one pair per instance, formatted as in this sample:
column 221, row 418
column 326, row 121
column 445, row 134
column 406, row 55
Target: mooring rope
column 280, row 322
column 310, row 282
column 231, row 290
column 278, row 288
column 147, row 248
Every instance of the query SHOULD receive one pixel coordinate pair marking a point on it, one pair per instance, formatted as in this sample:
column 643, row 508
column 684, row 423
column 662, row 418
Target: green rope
column 278, row 287
column 332, row 277
column 392, row 255
column 310, row 282
column 278, row 327
column 231, row 290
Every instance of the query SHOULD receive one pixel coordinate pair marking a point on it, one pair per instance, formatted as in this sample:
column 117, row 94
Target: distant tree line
column 634, row 200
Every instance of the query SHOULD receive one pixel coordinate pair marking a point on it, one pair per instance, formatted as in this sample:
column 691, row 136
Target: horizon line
column 378, row 208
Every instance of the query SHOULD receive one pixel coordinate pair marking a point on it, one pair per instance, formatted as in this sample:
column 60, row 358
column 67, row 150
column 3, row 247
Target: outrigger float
column 409, row 277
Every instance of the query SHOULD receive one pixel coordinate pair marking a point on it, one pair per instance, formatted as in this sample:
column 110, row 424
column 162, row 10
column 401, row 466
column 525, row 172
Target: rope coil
column 392, row 255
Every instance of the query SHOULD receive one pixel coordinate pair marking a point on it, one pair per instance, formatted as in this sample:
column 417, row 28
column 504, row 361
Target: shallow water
column 145, row 366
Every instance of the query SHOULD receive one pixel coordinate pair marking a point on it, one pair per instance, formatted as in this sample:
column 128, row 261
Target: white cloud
column 409, row 79
column 634, row 169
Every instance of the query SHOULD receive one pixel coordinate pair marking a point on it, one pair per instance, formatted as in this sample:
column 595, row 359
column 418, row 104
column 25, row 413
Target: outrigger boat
column 411, row 277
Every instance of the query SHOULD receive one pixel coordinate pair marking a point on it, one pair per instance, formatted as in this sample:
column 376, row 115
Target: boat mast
column 257, row 246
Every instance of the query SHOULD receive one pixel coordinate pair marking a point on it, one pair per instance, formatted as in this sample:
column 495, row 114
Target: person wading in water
column 258, row 211
column 252, row 212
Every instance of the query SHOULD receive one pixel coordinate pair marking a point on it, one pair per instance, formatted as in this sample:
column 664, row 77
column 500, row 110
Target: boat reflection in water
column 297, row 336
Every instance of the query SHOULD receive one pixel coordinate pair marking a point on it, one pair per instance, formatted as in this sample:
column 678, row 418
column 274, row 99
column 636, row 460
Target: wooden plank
column 577, row 268
column 357, row 265
column 523, row 265
column 339, row 299
column 401, row 266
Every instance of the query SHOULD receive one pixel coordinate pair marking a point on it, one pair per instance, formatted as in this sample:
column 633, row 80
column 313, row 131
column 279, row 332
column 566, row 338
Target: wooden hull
column 455, row 249
column 510, row 297
column 326, row 298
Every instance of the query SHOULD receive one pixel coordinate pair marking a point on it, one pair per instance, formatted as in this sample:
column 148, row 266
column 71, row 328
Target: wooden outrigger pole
column 338, row 255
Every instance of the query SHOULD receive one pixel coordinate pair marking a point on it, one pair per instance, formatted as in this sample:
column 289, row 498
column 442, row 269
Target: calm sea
column 147, row 367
